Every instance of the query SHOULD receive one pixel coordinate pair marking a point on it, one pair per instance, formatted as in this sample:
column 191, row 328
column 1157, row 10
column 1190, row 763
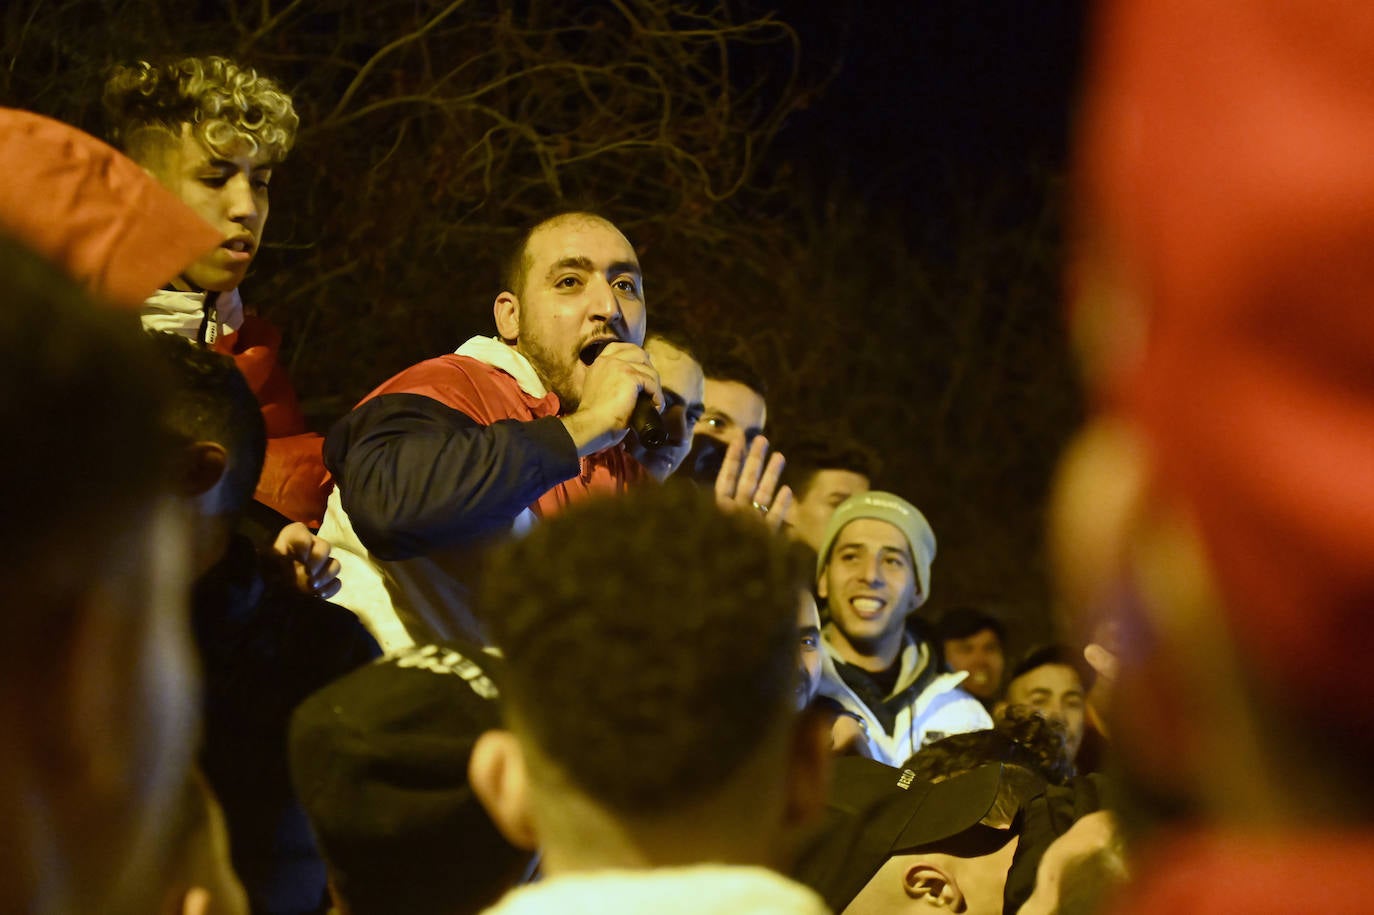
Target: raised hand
column 748, row 479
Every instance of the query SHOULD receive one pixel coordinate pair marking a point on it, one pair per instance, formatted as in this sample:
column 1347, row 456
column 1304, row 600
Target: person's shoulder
column 452, row 379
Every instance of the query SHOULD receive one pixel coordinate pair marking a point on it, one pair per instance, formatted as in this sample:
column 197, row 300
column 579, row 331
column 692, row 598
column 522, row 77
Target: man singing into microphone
column 465, row 447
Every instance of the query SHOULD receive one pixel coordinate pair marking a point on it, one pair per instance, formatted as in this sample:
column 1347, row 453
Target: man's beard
column 556, row 372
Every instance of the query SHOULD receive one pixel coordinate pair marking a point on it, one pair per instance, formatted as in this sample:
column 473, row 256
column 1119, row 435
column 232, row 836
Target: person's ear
column 924, row 882
column 204, row 466
column 808, row 783
column 822, row 587
column 506, row 311
column 499, row 778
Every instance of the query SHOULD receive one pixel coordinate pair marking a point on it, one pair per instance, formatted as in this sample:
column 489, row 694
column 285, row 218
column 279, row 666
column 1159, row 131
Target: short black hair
column 814, row 451
column 1054, row 654
column 211, row 402
column 650, row 643
column 722, row 361
column 674, row 338
column 85, row 451
column 963, row 621
column 516, row 263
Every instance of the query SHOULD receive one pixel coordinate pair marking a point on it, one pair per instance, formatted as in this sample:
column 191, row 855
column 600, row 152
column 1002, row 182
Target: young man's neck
column 874, row 658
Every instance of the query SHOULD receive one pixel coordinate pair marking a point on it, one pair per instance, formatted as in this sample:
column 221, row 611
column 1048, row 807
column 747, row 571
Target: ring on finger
column 762, row 509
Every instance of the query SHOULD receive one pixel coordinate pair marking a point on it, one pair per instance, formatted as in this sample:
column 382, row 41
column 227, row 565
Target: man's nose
column 873, row 569
column 243, row 203
column 605, row 304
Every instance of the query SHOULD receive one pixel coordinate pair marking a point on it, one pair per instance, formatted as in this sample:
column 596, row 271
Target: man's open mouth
column 866, row 605
column 593, row 349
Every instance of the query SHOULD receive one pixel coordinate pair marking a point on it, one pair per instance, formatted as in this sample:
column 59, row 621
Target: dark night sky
column 980, row 87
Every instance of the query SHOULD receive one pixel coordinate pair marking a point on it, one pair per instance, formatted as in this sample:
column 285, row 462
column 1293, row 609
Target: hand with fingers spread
column 307, row 555
column 609, row 393
column 749, row 479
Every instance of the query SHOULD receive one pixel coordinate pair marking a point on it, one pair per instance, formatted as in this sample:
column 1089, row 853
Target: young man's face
column 682, row 383
column 823, row 494
column 1057, row 691
column 981, row 655
column 809, row 630
column 582, row 284
column 734, row 412
column 870, row 585
column 228, row 193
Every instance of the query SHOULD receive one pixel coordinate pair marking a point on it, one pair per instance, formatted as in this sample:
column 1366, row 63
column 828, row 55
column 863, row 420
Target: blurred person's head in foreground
column 892, row 842
column 975, row 641
column 99, row 690
column 212, row 131
column 823, row 471
column 1218, row 511
column 381, row 760
column 1053, row 680
column 652, row 715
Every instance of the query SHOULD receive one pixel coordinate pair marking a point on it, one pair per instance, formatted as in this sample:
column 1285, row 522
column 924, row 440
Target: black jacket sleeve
column 415, row 475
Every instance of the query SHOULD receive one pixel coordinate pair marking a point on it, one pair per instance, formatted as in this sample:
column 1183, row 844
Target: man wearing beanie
column 872, row 572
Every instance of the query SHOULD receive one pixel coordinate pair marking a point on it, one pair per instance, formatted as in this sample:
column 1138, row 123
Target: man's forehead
column 580, row 237
column 676, row 369
column 737, row 400
column 873, row 533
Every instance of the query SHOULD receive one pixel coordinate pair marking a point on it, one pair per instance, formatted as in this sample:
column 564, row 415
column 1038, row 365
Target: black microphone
column 645, row 419
column 648, row 422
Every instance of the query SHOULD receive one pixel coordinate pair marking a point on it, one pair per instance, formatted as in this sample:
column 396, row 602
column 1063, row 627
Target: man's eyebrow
column 696, row 407
column 229, row 165
column 579, row 263
column 672, row 398
column 620, row 267
column 810, row 630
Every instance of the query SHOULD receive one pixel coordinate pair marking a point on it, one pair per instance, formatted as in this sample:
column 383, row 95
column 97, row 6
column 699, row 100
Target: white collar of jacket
column 182, row 313
column 498, row 353
column 915, row 657
column 696, row 890
column 893, row 749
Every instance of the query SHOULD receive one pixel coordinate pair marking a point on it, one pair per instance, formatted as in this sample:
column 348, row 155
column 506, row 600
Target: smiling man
column 873, row 571
column 212, row 132
column 466, row 447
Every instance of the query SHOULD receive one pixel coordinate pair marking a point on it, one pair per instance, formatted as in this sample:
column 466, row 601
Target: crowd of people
column 496, row 644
